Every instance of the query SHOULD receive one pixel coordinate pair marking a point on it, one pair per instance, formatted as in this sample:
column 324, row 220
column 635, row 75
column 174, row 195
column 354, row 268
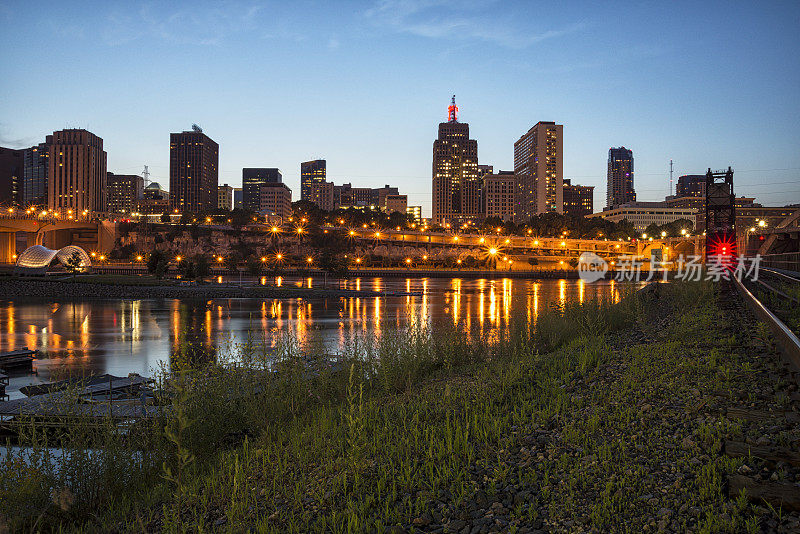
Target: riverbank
column 132, row 287
column 609, row 418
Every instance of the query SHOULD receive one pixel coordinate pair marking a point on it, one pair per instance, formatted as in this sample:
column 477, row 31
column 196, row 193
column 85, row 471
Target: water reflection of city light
column 133, row 336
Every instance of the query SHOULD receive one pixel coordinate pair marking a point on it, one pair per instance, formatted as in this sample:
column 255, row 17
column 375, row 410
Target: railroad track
column 775, row 300
column 772, row 294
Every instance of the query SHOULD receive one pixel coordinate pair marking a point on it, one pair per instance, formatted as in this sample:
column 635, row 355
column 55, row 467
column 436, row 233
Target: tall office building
column 691, row 185
column 619, row 189
column 498, row 195
column 225, row 197
column 193, row 171
column 124, row 191
column 238, row 198
column 456, row 185
column 311, row 172
column 77, row 177
column 252, row 180
column 275, row 199
column 34, row 181
column 578, row 199
column 322, row 195
column 12, row 164
column 539, row 166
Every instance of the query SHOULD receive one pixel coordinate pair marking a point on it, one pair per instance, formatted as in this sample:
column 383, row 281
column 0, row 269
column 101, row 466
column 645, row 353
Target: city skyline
column 670, row 95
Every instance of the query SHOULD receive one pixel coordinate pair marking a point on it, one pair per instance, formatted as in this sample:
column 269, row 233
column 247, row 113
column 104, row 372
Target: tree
column 254, row 265
column 157, row 263
column 333, row 264
column 201, row 267
column 74, row 263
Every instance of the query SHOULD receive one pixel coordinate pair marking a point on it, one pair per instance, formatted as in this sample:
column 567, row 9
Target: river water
column 137, row 336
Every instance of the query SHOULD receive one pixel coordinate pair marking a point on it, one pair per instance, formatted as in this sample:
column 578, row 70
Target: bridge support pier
column 8, row 245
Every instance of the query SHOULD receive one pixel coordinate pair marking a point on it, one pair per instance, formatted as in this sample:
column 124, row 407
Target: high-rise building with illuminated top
column 539, row 167
column 311, row 172
column 76, row 178
column 193, row 171
column 456, row 184
column 619, row 188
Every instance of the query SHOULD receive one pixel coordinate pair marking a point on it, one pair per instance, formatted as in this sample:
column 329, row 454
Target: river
column 137, row 336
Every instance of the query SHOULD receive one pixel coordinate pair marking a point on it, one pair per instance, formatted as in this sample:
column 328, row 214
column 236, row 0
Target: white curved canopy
column 36, row 259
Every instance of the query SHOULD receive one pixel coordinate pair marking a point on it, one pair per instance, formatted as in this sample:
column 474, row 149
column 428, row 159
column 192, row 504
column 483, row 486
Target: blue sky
column 364, row 85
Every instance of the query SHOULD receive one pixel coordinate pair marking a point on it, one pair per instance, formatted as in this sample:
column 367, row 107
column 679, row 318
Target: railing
column 788, row 261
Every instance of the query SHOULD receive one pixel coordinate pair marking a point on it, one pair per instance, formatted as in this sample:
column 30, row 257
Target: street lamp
column 663, row 234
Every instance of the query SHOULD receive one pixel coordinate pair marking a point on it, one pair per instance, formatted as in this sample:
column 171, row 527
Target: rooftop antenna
column 196, row 128
column 452, row 110
column 670, row 177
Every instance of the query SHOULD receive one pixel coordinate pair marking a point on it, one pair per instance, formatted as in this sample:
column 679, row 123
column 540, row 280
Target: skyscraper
column 252, row 180
column 691, row 185
column 578, row 199
column 124, row 192
column 619, row 189
column 539, row 166
column 311, row 172
column 76, row 178
column 456, row 184
column 11, row 172
column 34, row 181
column 193, row 171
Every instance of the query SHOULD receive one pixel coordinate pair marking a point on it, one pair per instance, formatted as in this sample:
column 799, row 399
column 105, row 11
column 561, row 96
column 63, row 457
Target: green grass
column 425, row 422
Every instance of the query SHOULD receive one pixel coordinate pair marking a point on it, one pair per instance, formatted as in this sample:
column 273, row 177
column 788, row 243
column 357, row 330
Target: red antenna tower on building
column 452, row 110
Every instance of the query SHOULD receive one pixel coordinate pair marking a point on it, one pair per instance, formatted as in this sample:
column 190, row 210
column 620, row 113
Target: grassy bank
column 602, row 418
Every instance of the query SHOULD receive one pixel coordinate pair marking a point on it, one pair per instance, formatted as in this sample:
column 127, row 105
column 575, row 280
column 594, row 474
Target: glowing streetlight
column 644, row 236
column 762, row 223
column 663, row 234
column 408, row 261
column 138, row 258
column 683, row 231
column 263, row 259
column 220, row 259
column 309, row 260
column 481, row 240
column 178, row 258
column 492, row 251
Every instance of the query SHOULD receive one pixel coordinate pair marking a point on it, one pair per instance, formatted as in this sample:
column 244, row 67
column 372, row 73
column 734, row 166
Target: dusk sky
column 365, row 84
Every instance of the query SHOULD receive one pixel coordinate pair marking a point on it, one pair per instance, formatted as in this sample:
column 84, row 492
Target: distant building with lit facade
column 578, row 199
column 193, row 171
column 34, row 181
column 539, row 167
column 415, row 212
column 311, row 172
column 619, row 177
column 124, row 192
column 12, row 165
column 395, row 203
column 456, row 185
column 77, row 175
column 238, row 198
column 252, row 180
column 691, row 185
column 643, row 214
column 225, row 197
column 499, row 191
column 275, row 199
column 321, row 194
column 154, row 201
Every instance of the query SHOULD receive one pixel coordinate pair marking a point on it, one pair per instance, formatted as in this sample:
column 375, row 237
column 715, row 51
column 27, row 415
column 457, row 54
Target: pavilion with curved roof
column 37, row 259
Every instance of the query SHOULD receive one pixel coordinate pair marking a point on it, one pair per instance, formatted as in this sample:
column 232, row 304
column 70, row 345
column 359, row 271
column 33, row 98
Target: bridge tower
column 720, row 217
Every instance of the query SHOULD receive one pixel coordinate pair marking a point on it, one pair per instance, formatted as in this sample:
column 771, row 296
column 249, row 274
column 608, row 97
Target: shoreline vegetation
column 602, row 417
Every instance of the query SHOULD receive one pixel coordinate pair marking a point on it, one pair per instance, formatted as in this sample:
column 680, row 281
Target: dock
column 3, row 384
column 16, row 360
column 122, row 399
